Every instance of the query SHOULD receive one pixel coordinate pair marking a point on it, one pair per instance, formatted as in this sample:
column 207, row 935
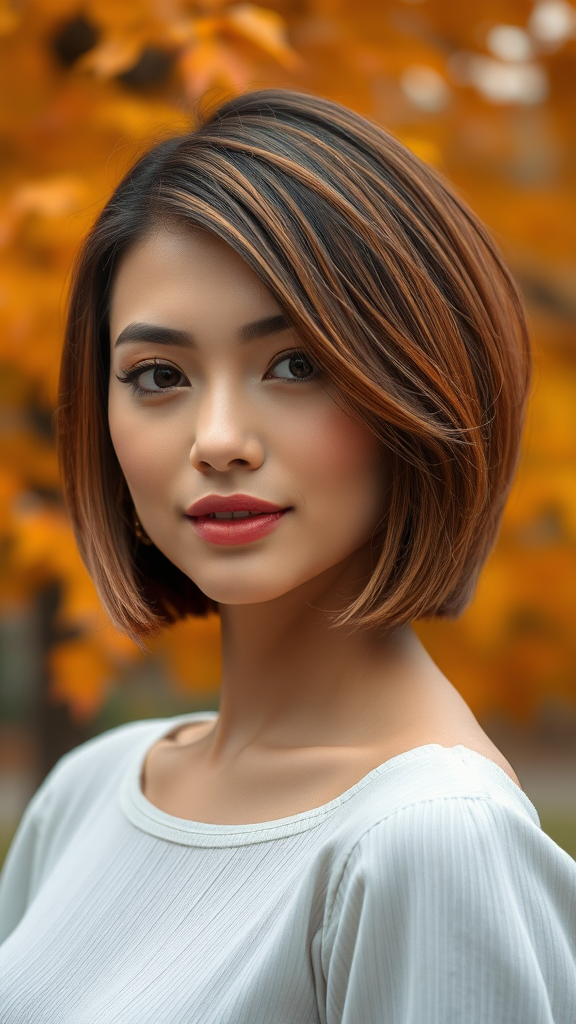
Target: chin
column 244, row 587
column 243, row 577
column 244, row 592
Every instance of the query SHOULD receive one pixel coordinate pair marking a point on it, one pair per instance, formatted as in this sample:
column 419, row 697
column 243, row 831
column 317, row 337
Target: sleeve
column 65, row 799
column 18, row 879
column 453, row 911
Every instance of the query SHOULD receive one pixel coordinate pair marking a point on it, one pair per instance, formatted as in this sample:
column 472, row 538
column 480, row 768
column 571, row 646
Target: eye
column 159, row 377
column 293, row 366
column 153, row 378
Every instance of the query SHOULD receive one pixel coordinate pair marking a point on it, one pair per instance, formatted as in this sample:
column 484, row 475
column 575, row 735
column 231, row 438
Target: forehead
column 186, row 278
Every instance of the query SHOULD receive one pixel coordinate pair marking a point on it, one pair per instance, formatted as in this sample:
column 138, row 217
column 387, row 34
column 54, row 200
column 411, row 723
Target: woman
column 292, row 391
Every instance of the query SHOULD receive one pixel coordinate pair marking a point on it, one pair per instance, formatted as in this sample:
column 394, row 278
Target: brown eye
column 166, row 376
column 295, row 366
column 160, row 378
column 152, row 379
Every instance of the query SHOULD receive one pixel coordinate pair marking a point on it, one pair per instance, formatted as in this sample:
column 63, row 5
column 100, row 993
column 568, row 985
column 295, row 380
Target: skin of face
column 235, row 421
column 305, row 710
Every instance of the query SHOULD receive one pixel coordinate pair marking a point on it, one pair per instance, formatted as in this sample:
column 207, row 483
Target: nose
column 224, row 437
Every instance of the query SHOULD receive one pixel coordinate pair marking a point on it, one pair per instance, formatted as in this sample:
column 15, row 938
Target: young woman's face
column 245, row 470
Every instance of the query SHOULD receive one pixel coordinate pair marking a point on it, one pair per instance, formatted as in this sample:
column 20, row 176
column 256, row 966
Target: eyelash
column 131, row 376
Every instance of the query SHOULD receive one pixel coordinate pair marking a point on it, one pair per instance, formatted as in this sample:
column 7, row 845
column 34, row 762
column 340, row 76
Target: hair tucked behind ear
column 394, row 286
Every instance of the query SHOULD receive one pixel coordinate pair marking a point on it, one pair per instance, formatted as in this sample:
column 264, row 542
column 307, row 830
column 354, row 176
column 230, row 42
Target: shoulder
column 452, row 899
column 83, row 774
column 108, row 751
column 424, row 783
column 83, row 779
column 91, row 773
column 449, row 825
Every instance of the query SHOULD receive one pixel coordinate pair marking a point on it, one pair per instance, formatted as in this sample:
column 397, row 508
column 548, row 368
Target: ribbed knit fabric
column 425, row 894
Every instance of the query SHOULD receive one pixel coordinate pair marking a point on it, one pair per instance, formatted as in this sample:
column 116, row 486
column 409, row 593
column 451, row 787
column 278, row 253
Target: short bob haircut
column 396, row 290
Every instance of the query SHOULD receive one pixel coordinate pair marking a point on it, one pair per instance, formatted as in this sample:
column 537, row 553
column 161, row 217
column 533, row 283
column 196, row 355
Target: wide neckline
column 149, row 818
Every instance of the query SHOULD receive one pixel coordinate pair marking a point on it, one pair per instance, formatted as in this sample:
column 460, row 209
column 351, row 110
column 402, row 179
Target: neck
column 291, row 677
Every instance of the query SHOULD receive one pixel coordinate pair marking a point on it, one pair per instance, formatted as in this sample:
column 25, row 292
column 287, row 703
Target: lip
column 266, row 517
column 231, row 503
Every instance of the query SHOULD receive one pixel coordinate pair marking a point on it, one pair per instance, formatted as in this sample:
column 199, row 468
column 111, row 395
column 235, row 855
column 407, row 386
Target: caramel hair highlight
column 395, row 288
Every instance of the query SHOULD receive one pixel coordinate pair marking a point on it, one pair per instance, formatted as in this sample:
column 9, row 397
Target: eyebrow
column 183, row 339
column 262, row 328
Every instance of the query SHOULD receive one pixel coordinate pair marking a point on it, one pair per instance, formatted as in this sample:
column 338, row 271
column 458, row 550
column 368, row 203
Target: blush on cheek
column 142, row 455
column 341, row 475
column 142, row 462
column 335, row 449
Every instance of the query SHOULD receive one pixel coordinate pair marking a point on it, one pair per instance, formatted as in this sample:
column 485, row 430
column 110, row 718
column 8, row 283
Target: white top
column 425, row 894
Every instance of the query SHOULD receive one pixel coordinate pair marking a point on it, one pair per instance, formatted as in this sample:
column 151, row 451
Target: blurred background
column 486, row 92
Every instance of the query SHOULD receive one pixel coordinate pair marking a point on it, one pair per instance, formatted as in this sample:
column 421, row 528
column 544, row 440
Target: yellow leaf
column 113, row 56
column 266, row 29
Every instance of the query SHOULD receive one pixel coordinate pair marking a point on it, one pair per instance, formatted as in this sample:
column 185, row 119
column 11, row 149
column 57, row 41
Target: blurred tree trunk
column 55, row 728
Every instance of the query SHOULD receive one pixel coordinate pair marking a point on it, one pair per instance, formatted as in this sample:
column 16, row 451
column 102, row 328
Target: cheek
column 340, row 465
column 146, row 456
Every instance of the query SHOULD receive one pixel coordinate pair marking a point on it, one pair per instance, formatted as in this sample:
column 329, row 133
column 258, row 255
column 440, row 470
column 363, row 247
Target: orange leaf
column 119, row 15
column 192, row 651
column 211, row 62
column 81, row 676
column 50, row 197
column 426, row 149
column 118, row 647
column 266, row 29
column 9, row 488
column 113, row 56
column 9, row 20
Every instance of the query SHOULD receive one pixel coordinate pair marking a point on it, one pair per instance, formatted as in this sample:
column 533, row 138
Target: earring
column 141, row 532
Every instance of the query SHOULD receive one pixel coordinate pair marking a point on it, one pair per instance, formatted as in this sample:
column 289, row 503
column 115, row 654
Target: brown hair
column 393, row 286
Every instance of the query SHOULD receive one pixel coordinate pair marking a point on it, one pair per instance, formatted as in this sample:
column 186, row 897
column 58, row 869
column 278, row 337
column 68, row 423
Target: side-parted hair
column 395, row 289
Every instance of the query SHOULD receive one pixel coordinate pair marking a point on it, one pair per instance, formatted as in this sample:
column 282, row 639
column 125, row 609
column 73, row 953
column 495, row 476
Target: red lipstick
column 234, row 518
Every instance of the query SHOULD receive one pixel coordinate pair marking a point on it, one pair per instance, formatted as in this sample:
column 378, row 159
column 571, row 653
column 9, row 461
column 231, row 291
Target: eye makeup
column 160, row 371
column 298, row 369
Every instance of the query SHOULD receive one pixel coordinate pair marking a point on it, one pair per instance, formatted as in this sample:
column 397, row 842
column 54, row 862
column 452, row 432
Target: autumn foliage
column 483, row 90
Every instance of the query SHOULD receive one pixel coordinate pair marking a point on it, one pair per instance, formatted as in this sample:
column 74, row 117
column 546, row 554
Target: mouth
column 234, row 519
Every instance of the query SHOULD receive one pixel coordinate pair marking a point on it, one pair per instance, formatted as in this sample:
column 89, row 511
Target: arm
column 453, row 911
